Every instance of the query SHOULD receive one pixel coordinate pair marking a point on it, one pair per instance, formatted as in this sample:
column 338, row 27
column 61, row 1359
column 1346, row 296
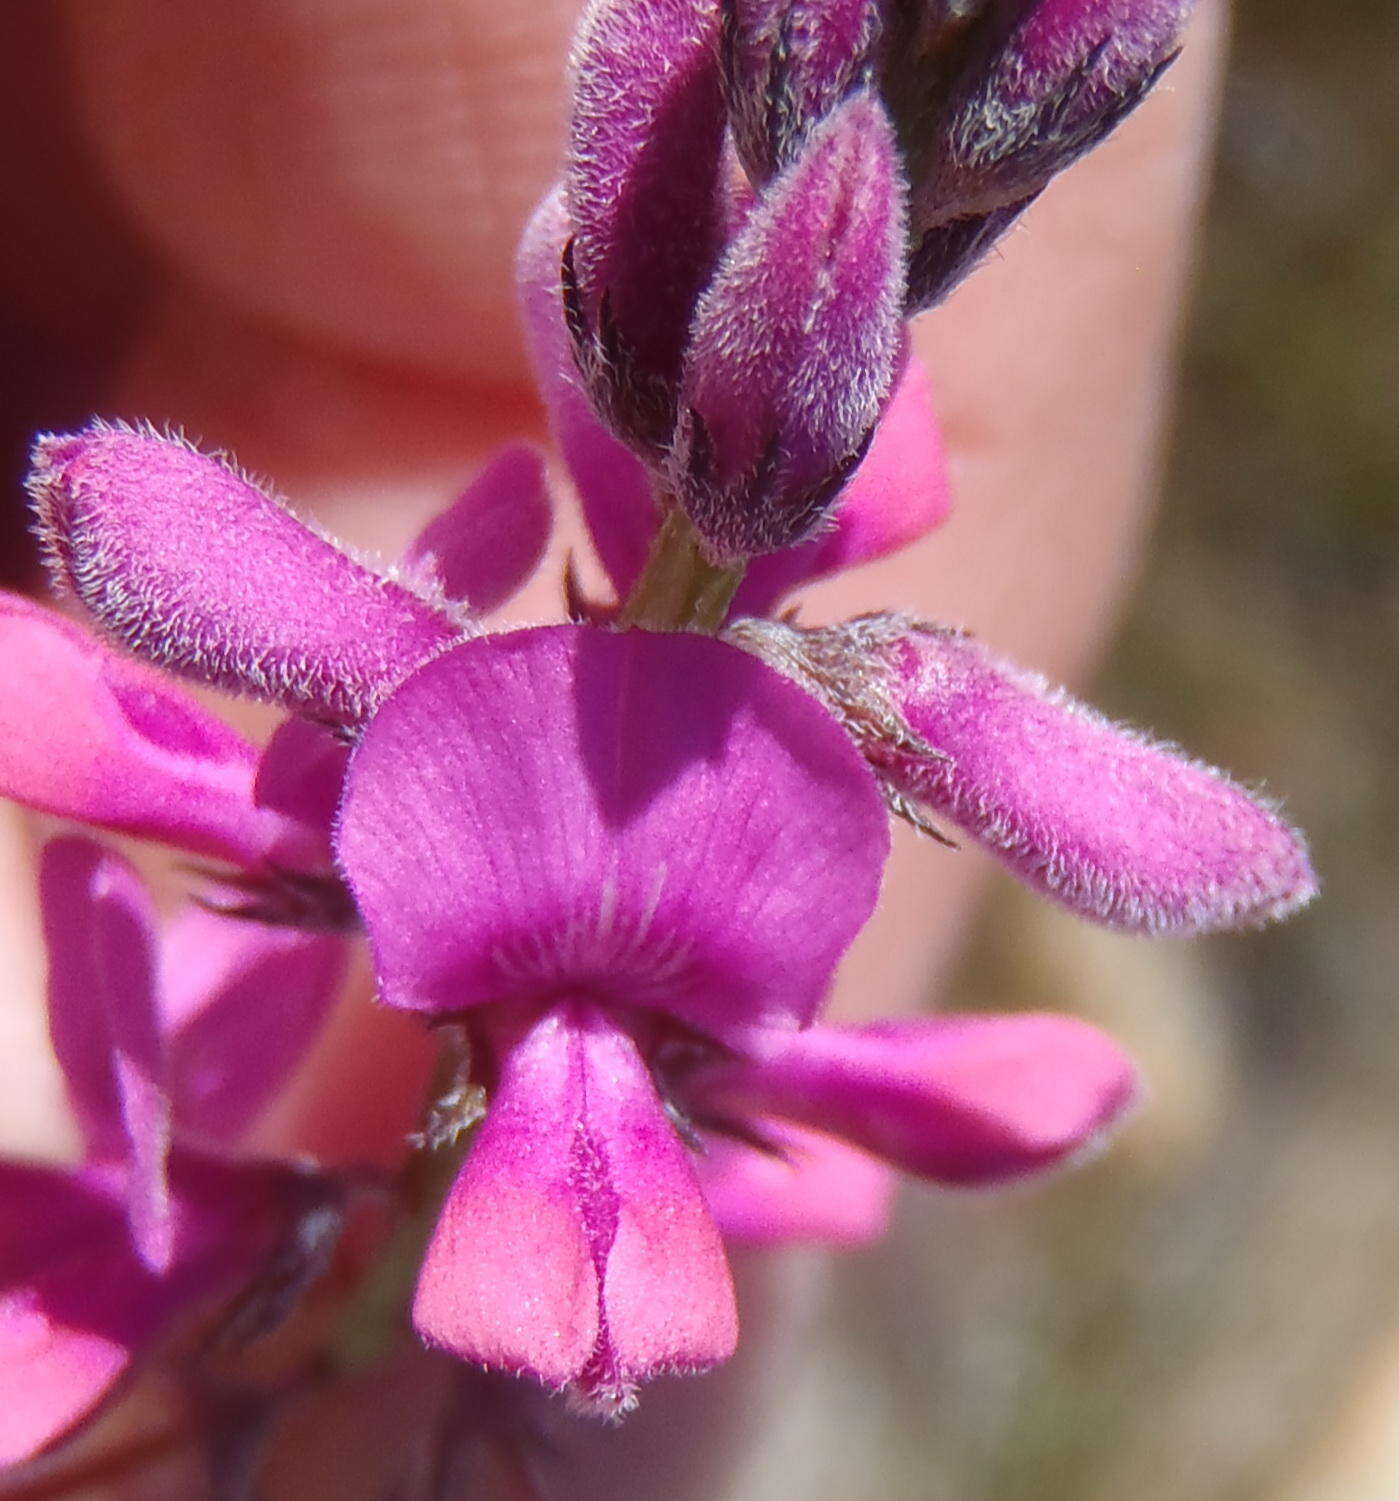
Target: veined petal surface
column 653, row 820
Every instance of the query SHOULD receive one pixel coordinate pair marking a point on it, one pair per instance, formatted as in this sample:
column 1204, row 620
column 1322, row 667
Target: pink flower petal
column 899, row 493
column 52, row 1377
column 89, row 735
column 575, row 1245
column 959, row 1099
column 68, row 1321
column 811, row 1189
column 484, row 547
column 99, row 927
column 77, row 1306
column 796, row 341
column 186, row 562
column 299, row 776
column 242, row 1004
column 1112, row 825
column 657, row 819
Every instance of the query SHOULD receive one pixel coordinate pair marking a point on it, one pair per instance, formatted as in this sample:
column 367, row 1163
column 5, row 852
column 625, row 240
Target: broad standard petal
column 958, row 1099
column 185, row 561
column 1111, row 824
column 655, row 819
column 99, row 928
column 488, row 542
column 575, row 1245
column 88, row 734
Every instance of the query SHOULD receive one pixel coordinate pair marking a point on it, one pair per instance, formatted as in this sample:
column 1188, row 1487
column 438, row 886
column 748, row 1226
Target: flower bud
column 796, row 342
column 1011, row 96
column 644, row 198
column 787, row 64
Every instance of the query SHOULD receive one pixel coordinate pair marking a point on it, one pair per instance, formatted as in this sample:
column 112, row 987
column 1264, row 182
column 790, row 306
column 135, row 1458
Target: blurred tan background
column 1211, row 1311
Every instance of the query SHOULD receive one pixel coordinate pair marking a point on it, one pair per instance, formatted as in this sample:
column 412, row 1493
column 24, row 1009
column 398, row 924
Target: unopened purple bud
column 787, row 64
column 796, row 342
column 1021, row 102
column 644, row 199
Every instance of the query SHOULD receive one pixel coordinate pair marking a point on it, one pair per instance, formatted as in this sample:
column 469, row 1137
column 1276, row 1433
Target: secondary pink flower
column 799, row 1128
column 634, row 898
column 88, row 734
column 158, row 1223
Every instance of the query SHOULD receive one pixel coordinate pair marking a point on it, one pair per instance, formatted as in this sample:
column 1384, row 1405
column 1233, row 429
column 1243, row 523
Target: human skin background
column 288, row 228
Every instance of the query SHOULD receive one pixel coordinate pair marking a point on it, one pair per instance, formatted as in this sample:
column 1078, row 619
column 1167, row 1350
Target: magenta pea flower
column 632, row 898
column 615, row 863
column 621, row 865
column 168, row 1058
column 635, row 899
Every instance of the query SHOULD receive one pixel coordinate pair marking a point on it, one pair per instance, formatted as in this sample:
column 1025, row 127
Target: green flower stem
column 679, row 588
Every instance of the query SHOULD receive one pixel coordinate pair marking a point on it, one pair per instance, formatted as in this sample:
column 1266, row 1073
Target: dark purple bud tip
column 787, row 64
column 795, row 343
column 1026, row 102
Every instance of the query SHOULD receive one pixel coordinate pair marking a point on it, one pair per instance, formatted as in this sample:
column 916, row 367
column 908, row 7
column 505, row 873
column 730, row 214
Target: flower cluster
column 621, row 856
